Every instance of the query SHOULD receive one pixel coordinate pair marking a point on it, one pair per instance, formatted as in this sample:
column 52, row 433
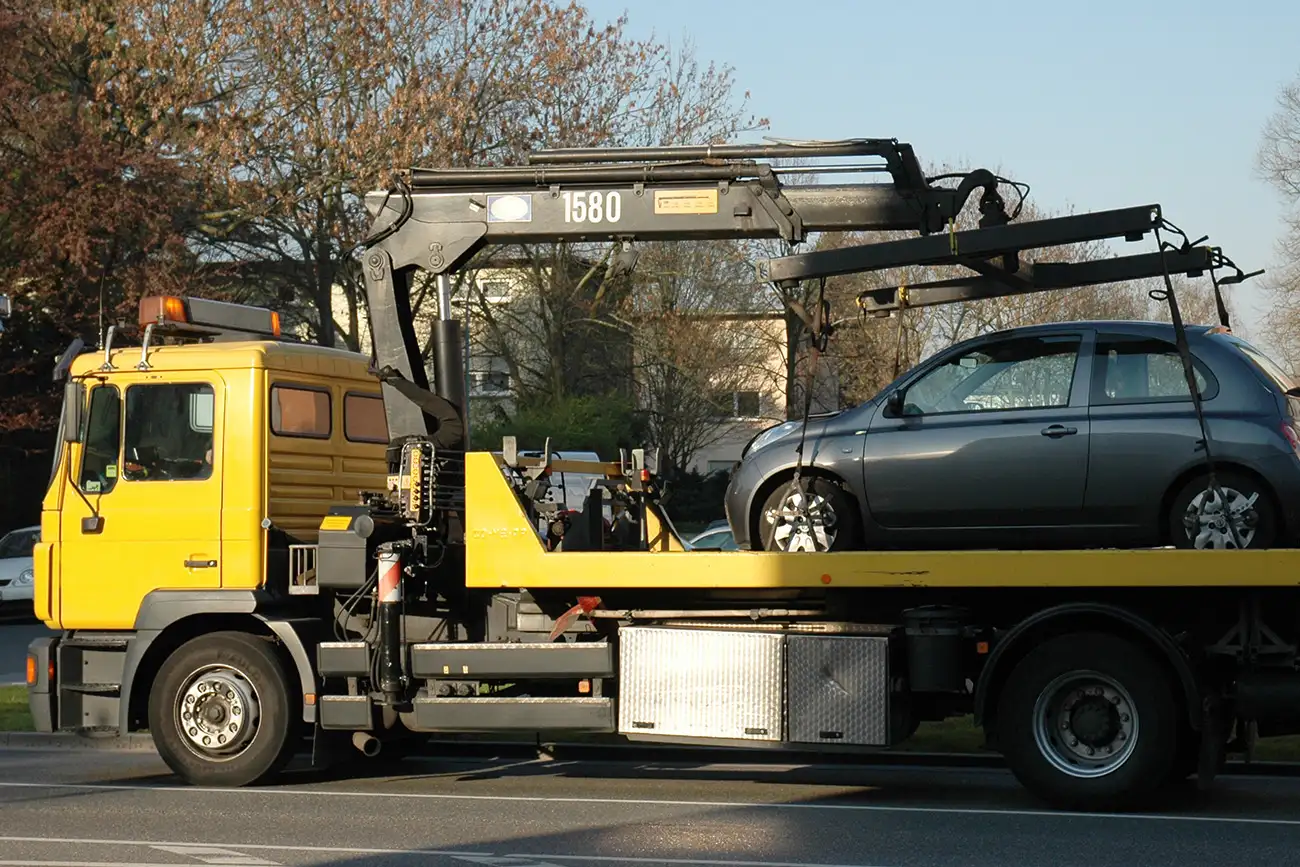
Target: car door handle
column 1059, row 430
column 200, row 564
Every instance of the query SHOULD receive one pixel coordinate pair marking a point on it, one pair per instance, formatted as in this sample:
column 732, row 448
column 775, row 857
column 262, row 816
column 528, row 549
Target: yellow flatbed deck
column 504, row 551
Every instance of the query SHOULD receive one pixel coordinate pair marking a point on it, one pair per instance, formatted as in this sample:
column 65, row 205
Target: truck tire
column 220, row 711
column 1088, row 721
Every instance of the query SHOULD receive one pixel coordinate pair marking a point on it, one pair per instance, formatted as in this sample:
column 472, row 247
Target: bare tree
column 1278, row 162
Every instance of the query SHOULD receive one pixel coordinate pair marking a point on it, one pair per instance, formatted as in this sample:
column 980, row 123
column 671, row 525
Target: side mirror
column 894, row 404
column 74, row 402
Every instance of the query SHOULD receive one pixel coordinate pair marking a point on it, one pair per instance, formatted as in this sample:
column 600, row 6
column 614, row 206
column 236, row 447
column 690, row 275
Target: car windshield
column 19, row 543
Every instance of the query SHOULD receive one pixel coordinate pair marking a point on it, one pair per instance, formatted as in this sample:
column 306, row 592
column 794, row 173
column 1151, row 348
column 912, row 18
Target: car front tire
column 817, row 515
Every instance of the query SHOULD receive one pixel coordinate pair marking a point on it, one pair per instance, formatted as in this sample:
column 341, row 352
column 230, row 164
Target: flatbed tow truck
column 253, row 547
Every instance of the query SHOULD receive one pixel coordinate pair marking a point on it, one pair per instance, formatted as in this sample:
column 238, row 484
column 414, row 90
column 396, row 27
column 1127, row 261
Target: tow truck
column 254, row 547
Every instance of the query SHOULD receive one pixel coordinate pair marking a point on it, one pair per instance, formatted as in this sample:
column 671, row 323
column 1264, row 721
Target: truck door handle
column 200, row 564
column 1058, row 430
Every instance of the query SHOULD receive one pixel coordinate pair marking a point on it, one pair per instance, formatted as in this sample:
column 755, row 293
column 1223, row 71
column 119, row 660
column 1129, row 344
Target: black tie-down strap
column 449, row 427
column 1184, row 351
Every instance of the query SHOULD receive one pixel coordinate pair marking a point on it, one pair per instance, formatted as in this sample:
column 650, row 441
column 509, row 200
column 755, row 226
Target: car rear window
column 1266, row 365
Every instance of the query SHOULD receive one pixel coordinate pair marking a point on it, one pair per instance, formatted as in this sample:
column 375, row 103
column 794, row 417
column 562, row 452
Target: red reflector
column 1292, row 437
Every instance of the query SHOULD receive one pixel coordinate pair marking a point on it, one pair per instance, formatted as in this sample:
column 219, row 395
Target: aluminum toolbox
column 701, row 683
column 838, row 689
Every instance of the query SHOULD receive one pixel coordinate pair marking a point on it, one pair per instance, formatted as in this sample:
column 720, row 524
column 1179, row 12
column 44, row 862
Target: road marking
column 653, row 802
column 214, row 855
column 484, row 858
column 30, row 863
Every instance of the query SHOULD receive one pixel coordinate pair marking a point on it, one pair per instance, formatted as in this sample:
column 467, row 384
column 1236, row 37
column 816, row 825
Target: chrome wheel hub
column 217, row 712
column 1085, row 724
column 802, row 522
column 1206, row 519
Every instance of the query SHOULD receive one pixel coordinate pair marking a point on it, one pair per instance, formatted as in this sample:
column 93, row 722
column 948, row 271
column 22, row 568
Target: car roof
column 1133, row 326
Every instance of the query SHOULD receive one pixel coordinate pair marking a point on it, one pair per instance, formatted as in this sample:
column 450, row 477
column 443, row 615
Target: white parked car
column 16, row 575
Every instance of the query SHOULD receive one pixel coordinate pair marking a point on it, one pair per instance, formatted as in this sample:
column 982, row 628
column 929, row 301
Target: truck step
column 489, row 660
column 100, row 641
column 108, row 689
column 514, row 714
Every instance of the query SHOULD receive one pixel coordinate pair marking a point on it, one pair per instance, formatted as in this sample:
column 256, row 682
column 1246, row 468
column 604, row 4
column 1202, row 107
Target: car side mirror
column 74, row 402
column 894, row 404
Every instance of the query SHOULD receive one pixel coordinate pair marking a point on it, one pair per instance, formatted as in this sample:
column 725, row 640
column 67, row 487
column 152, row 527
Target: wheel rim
column 217, row 713
column 1085, row 724
column 1206, row 520
column 803, row 522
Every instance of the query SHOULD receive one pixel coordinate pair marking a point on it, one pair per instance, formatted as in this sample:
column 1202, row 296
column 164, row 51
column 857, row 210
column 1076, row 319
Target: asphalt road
column 14, row 638
column 101, row 808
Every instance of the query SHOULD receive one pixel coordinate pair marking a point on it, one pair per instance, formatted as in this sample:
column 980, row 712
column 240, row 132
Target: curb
column 66, row 741
column 455, row 749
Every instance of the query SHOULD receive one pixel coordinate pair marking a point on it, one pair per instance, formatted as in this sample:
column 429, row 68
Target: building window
column 300, row 411
column 737, row 404
column 363, row 418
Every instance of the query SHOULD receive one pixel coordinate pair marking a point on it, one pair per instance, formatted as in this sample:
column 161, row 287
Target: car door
column 146, row 481
column 994, row 435
column 1144, row 432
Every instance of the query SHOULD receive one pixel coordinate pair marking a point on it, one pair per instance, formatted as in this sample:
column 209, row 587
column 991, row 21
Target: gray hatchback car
column 1078, row 434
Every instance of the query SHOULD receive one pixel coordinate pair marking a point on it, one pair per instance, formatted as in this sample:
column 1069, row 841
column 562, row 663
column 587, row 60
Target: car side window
column 168, row 432
column 1020, row 373
column 103, row 441
column 1131, row 369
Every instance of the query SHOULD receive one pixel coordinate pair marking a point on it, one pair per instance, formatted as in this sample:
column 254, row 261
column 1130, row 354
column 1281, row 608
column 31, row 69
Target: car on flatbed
column 1071, row 434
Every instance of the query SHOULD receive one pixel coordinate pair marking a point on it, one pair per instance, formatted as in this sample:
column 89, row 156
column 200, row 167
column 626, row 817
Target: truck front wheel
column 219, row 711
column 1088, row 721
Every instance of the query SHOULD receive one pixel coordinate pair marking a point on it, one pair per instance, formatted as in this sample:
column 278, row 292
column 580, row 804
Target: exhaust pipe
column 367, row 743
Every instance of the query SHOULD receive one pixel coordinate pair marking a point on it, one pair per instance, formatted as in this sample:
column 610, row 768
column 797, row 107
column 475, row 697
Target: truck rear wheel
column 1088, row 721
column 219, row 711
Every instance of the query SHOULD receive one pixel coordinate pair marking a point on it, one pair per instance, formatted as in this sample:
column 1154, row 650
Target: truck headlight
column 27, row 576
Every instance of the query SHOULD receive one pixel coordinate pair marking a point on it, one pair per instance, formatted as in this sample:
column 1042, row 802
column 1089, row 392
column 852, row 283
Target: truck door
column 146, row 512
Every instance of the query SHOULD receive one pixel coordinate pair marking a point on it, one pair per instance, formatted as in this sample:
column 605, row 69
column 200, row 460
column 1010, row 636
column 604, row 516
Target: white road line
column 215, row 855
column 653, row 802
column 485, row 858
column 30, row 863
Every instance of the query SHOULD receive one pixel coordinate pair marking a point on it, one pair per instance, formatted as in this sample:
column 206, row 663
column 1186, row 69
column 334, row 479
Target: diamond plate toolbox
column 838, row 689
column 701, row 683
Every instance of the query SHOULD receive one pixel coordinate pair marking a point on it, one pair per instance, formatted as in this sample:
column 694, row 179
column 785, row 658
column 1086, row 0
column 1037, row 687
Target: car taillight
column 1292, row 435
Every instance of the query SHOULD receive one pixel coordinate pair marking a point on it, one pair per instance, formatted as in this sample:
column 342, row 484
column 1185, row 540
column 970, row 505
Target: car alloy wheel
column 803, row 521
column 1206, row 519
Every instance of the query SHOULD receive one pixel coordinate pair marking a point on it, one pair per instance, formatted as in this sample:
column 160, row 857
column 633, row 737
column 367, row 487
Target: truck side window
column 168, row 432
column 300, row 411
column 363, row 418
column 99, row 462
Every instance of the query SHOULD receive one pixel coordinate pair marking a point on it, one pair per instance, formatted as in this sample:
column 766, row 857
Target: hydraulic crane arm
column 1039, row 277
column 437, row 219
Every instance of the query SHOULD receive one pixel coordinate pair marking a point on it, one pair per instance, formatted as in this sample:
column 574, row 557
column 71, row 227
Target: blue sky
column 1096, row 105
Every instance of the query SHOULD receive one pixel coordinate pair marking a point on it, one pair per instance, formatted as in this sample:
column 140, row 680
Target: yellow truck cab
column 196, row 462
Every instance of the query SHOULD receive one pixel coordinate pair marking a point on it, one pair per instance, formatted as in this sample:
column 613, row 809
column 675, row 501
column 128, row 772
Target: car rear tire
column 1088, row 721
column 220, row 711
column 1257, row 525
column 827, row 523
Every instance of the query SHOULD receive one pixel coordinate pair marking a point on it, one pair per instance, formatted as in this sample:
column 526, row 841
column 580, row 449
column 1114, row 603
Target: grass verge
column 14, row 716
